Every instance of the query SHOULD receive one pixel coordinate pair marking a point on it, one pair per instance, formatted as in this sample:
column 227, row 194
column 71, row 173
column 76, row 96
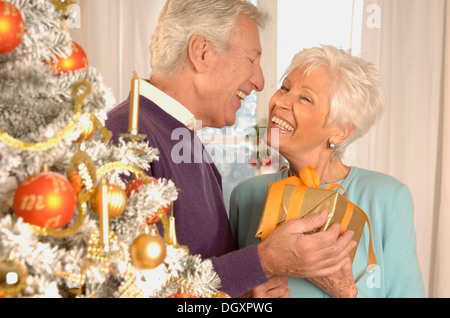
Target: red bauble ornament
column 135, row 184
column 184, row 295
column 46, row 199
column 153, row 216
column 12, row 27
column 78, row 60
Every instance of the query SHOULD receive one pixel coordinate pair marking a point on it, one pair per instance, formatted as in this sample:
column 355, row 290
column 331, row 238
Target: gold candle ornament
column 102, row 198
column 133, row 122
column 134, row 105
column 171, row 236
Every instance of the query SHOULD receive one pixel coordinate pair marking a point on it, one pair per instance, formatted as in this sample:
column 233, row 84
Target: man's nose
column 258, row 79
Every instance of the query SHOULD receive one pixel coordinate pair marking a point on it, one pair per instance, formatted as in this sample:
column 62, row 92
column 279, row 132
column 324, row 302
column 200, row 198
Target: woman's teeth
column 241, row 95
column 282, row 124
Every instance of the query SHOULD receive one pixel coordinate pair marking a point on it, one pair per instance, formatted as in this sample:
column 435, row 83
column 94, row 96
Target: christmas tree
column 70, row 225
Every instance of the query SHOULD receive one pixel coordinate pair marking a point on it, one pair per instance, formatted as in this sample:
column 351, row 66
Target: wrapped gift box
column 294, row 198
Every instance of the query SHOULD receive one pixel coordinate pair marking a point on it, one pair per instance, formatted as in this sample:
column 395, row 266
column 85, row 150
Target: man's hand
column 288, row 251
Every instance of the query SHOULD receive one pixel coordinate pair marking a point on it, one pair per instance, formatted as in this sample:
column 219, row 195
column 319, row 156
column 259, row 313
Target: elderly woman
column 328, row 99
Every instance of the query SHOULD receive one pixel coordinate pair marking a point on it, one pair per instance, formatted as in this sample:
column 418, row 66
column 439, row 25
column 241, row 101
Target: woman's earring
column 332, row 145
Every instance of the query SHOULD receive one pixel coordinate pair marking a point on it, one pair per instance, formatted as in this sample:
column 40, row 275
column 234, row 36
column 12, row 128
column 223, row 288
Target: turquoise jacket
column 389, row 206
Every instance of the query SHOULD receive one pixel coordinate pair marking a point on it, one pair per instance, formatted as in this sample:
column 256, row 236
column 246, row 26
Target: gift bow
column 309, row 178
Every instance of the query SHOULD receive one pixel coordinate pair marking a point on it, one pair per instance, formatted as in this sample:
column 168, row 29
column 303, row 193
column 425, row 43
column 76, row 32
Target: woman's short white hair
column 356, row 97
column 180, row 19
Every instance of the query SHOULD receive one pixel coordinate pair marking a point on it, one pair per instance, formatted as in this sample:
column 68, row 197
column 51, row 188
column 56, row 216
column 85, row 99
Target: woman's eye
column 306, row 99
column 284, row 88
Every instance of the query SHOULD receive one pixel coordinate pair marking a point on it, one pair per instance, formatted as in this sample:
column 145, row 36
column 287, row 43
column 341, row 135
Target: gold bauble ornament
column 117, row 201
column 13, row 277
column 148, row 251
column 220, row 294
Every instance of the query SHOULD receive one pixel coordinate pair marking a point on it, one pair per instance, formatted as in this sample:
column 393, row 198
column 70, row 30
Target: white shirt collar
column 167, row 103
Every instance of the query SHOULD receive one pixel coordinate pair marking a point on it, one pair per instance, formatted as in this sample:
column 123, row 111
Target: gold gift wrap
column 315, row 201
column 294, row 198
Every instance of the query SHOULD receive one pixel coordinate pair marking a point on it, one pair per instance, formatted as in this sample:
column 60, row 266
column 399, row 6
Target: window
column 306, row 23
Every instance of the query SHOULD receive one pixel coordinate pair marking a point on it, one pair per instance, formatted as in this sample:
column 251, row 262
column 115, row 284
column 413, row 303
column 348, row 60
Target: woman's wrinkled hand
column 338, row 285
column 276, row 287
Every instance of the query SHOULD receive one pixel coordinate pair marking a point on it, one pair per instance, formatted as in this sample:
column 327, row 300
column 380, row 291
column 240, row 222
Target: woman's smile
column 282, row 124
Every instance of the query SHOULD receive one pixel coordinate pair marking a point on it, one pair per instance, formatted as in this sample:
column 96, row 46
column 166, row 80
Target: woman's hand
column 339, row 284
column 276, row 287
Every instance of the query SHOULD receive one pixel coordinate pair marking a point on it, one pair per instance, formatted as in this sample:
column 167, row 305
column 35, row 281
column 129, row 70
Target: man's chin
column 230, row 122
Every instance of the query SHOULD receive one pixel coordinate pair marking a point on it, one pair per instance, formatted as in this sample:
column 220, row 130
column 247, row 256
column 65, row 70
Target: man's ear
column 197, row 52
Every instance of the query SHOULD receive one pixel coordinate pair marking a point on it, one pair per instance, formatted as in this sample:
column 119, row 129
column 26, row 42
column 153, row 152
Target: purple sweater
column 200, row 214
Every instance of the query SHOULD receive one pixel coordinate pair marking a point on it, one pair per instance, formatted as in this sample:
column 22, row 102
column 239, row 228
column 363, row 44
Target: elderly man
column 205, row 61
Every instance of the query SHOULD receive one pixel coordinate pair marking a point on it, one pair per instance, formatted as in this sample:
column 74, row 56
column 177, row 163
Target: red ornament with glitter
column 76, row 61
column 153, row 217
column 12, row 27
column 133, row 186
column 46, row 199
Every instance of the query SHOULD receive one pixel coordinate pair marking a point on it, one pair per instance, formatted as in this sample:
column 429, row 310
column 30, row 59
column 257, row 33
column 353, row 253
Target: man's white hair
column 181, row 19
column 356, row 97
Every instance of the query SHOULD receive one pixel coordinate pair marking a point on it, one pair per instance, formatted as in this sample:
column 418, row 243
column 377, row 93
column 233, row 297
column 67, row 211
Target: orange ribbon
column 309, row 178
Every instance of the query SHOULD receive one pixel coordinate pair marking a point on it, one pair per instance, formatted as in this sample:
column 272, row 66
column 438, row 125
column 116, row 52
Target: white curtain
column 441, row 254
column 405, row 38
column 116, row 37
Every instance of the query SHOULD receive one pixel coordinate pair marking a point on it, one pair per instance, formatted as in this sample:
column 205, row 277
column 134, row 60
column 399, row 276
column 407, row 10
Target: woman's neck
column 329, row 171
